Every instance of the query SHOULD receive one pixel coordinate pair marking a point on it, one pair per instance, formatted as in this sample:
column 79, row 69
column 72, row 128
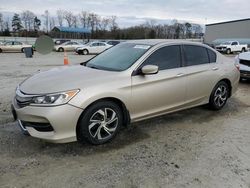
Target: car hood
column 64, row 79
column 245, row 56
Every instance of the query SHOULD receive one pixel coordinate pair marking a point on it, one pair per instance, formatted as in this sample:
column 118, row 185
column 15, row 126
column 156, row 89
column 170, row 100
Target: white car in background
column 92, row 48
column 13, row 46
column 243, row 60
column 67, row 46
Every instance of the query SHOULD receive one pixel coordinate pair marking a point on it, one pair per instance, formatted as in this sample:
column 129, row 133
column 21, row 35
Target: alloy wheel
column 220, row 95
column 103, row 124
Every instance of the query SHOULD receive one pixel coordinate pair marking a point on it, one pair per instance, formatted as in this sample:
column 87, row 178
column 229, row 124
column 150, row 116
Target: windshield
column 118, row 58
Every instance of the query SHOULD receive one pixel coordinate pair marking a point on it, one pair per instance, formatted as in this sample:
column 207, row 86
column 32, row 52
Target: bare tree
column 46, row 16
column 1, row 22
column 28, row 18
column 104, row 23
column 92, row 21
column 84, row 19
column 60, row 17
column 52, row 23
column 69, row 17
column 113, row 25
column 75, row 21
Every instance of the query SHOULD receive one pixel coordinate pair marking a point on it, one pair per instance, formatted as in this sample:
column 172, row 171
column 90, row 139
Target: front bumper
column 221, row 49
column 245, row 74
column 54, row 124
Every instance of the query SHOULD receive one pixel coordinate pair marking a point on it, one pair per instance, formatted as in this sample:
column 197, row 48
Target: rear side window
column 168, row 57
column 195, row 55
column 212, row 56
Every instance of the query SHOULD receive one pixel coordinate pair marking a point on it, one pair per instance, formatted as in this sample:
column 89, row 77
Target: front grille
column 41, row 127
column 245, row 62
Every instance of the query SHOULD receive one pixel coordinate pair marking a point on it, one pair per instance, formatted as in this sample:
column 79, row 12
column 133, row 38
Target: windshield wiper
column 93, row 67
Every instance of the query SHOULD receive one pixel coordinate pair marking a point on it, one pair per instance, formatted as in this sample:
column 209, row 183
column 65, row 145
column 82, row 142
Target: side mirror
column 150, row 69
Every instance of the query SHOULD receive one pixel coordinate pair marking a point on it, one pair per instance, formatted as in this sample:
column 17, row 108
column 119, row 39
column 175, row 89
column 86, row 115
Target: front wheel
column 219, row 96
column 228, row 51
column 100, row 123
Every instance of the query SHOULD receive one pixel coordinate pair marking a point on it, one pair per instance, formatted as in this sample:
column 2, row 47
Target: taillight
column 237, row 66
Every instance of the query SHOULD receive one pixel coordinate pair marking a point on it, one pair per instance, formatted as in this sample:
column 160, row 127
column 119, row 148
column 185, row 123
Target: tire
column 60, row 50
column 22, row 50
column 1, row 50
column 243, row 50
column 219, row 96
column 80, row 52
column 228, row 51
column 94, row 129
column 85, row 52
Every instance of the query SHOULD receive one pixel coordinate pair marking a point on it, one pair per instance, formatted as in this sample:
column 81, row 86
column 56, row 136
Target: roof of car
column 153, row 42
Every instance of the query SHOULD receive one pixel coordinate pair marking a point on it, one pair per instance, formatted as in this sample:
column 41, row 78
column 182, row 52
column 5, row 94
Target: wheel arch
column 228, row 83
column 125, row 112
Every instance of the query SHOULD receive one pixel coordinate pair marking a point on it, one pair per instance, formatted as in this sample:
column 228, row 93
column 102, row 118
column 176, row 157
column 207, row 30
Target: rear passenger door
column 161, row 92
column 201, row 70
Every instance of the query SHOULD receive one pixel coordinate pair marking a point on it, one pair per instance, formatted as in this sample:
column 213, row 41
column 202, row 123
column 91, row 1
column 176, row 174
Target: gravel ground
column 191, row 148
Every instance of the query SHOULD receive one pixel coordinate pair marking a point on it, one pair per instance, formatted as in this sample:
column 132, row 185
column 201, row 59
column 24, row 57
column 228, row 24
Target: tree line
column 28, row 24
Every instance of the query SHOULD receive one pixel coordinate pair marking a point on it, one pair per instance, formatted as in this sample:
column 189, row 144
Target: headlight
column 54, row 99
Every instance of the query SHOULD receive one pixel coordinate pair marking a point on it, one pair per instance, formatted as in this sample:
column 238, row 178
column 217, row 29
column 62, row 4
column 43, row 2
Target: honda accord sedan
column 130, row 82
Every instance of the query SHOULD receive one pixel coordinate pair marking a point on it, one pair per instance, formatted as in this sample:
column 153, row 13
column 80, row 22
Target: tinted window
column 101, row 44
column 168, row 57
column 94, row 44
column 195, row 55
column 234, row 43
column 212, row 56
column 18, row 43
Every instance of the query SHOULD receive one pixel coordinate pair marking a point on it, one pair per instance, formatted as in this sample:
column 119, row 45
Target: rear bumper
column 54, row 124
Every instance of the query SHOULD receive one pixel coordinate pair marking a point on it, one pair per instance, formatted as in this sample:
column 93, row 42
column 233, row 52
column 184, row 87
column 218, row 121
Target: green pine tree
column 16, row 23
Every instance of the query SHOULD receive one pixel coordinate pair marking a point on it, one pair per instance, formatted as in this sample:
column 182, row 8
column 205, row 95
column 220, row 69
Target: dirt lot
column 192, row 148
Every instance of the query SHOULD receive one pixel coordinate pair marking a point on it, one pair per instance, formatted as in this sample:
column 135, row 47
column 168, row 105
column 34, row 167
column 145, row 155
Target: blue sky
column 131, row 12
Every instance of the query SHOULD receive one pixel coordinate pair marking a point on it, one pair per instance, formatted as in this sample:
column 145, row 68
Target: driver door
column 161, row 92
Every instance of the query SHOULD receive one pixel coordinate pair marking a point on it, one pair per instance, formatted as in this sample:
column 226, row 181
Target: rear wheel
column 85, row 52
column 100, row 123
column 243, row 50
column 219, row 96
column 1, row 50
column 22, row 50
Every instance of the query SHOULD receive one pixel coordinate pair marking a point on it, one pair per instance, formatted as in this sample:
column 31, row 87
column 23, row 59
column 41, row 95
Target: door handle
column 180, row 75
column 215, row 68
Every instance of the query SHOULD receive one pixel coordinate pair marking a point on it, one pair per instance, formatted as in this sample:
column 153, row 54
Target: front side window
column 195, row 55
column 168, row 57
column 212, row 56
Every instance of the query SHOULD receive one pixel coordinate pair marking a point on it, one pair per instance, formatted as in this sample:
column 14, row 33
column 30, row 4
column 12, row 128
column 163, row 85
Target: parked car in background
column 130, row 82
column 60, row 41
column 243, row 60
column 231, row 46
column 113, row 42
column 67, row 46
column 92, row 48
column 14, row 46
